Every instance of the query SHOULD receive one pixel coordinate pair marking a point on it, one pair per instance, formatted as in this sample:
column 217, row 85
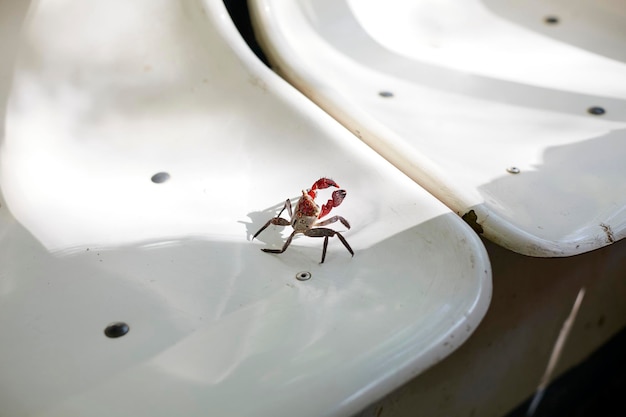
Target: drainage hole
column 160, row 177
column 117, row 329
column 385, row 94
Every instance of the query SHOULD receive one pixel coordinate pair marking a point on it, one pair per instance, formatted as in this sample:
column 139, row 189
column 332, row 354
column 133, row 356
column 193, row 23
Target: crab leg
column 333, row 220
column 277, row 220
column 326, row 233
column 284, row 248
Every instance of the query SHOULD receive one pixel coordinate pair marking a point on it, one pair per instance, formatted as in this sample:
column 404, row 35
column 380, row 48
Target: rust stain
column 610, row 238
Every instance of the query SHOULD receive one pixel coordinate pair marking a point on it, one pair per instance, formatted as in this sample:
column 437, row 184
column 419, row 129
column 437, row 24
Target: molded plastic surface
column 511, row 113
column 143, row 145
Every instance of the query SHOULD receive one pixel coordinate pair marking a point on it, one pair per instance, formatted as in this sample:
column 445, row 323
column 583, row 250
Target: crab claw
column 336, row 199
column 321, row 184
column 324, row 183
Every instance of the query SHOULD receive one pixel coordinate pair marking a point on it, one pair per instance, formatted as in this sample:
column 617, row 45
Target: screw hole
column 385, row 94
column 117, row 329
column 513, row 170
column 596, row 110
column 160, row 177
column 551, row 20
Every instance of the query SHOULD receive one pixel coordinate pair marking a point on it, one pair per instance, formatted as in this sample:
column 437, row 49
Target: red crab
column 307, row 214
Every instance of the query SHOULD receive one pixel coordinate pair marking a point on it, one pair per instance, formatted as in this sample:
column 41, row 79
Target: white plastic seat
column 513, row 115
column 105, row 96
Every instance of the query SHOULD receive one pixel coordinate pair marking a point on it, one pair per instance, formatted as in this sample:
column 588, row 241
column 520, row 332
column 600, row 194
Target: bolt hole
column 596, row 111
column 551, row 20
column 303, row 276
column 117, row 329
column 160, row 177
column 385, row 94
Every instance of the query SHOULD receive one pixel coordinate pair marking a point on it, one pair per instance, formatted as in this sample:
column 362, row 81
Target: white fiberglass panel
column 515, row 122
column 143, row 146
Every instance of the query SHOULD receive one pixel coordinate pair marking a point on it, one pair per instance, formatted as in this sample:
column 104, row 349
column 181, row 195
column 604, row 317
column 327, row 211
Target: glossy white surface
column 477, row 87
column 105, row 94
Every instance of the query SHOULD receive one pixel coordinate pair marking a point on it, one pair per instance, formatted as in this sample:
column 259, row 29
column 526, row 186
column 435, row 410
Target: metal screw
column 303, row 275
column 513, row 170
